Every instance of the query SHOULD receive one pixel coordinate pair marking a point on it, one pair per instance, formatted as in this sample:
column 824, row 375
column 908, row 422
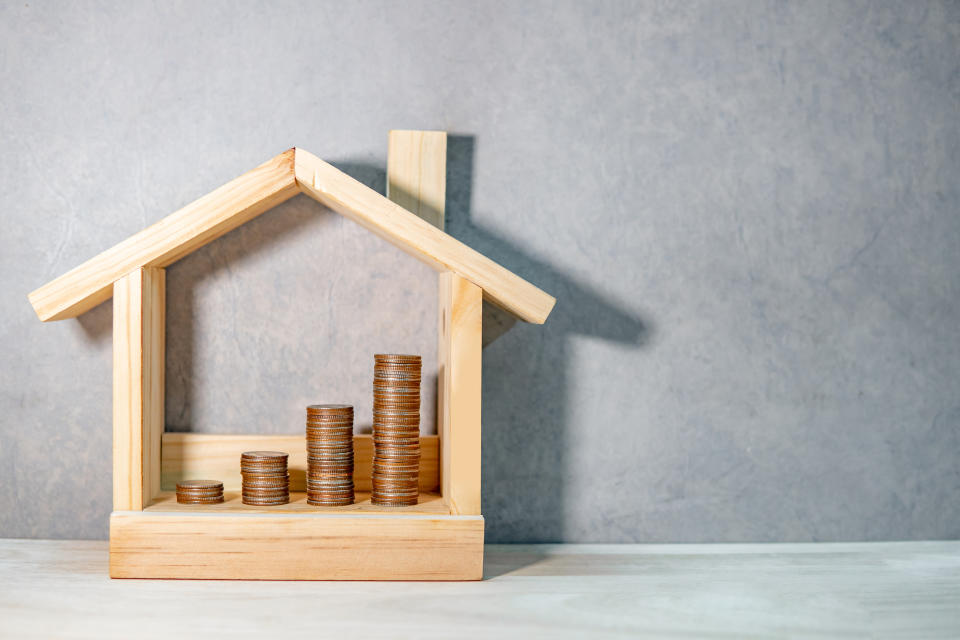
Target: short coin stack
column 200, row 492
column 330, row 455
column 396, row 430
column 265, row 478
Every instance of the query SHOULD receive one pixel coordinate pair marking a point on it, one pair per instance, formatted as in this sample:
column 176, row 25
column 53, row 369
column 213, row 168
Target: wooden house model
column 152, row 536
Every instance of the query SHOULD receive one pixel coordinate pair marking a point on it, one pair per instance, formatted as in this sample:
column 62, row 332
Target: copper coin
column 387, row 488
column 200, row 484
column 265, row 471
column 406, row 476
column 390, row 412
column 386, row 456
column 337, row 432
column 396, row 431
column 388, row 390
column 330, row 443
column 336, row 460
column 264, row 455
column 396, row 473
column 387, row 439
column 396, row 420
column 396, row 357
column 390, row 453
column 379, row 495
column 384, row 378
column 184, row 500
column 329, row 482
column 329, row 408
column 386, row 384
column 320, row 501
column 394, row 495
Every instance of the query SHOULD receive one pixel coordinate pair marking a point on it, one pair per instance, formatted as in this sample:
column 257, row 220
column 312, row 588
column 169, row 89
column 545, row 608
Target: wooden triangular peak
column 240, row 200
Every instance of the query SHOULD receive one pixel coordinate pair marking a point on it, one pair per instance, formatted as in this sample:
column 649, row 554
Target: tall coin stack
column 265, row 478
column 330, row 455
column 396, row 430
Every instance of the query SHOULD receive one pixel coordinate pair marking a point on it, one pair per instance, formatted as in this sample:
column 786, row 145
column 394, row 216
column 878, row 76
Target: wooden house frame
column 151, row 536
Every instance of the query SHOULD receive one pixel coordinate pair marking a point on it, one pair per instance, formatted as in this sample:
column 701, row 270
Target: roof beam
column 170, row 239
column 420, row 239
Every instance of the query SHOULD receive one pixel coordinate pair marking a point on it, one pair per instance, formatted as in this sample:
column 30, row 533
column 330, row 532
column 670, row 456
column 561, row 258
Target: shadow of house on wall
column 528, row 418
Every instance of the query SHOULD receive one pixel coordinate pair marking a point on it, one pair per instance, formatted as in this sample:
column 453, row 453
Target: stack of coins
column 265, row 478
column 200, row 492
column 330, row 455
column 396, row 430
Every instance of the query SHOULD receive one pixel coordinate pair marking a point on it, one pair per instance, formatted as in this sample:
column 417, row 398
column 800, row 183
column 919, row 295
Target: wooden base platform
column 296, row 541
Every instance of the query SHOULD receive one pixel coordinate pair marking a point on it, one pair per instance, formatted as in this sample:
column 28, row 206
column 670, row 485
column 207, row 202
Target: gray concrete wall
column 749, row 212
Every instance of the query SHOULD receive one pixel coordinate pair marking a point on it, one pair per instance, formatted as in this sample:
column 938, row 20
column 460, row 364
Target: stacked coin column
column 396, row 429
column 330, row 455
column 265, row 478
column 200, row 492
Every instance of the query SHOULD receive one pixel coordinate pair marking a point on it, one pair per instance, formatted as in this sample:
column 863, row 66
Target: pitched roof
column 240, row 200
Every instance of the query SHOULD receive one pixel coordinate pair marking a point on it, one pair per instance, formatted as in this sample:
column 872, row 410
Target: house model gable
column 242, row 199
column 153, row 536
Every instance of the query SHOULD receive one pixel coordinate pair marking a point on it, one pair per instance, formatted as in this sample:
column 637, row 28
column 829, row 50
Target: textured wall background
column 749, row 213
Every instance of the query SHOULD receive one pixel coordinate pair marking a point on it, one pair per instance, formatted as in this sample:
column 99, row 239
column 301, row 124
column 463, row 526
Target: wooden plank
column 201, row 455
column 138, row 382
column 295, row 547
column 428, row 504
column 417, row 173
column 170, row 239
column 458, row 413
column 419, row 238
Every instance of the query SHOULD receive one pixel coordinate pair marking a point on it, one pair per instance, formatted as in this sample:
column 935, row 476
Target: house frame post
column 139, row 309
column 459, row 351
column 416, row 180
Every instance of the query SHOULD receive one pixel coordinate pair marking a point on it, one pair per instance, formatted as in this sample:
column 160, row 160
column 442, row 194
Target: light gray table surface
column 60, row 589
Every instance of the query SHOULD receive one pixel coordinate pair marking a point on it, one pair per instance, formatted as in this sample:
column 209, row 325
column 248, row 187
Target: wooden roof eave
column 260, row 189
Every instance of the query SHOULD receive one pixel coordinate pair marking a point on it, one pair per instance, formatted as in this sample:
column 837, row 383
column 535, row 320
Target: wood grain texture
column 187, row 456
column 420, row 239
column 296, row 547
column 428, row 504
column 459, row 352
column 170, row 239
column 417, row 173
column 138, row 383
